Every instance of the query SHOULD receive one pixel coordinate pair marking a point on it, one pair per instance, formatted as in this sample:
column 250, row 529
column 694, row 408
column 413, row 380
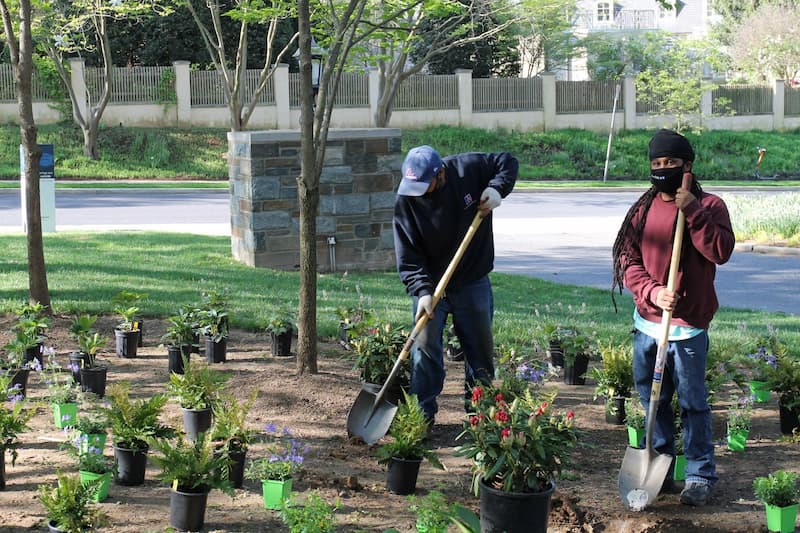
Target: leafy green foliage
column 408, row 430
column 68, row 503
column 615, row 377
column 134, row 423
column 198, row 387
column 14, row 417
column 192, row 464
column 740, row 414
column 434, row 512
column 315, row 515
column 229, row 430
column 284, row 456
column 376, row 351
column 778, row 488
column 180, row 327
column 634, row 413
column 281, row 322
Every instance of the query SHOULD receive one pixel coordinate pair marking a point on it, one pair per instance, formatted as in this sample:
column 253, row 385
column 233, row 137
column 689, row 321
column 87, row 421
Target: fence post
column 78, row 80
column 464, row 81
column 629, row 103
column 374, row 88
column 778, row 109
column 706, row 102
column 283, row 112
column 549, row 100
column 183, row 92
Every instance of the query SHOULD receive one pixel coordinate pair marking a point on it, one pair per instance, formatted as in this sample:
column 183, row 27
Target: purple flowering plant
column 284, row 456
column 14, row 417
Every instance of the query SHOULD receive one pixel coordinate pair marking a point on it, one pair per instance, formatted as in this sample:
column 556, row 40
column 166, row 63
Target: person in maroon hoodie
column 641, row 256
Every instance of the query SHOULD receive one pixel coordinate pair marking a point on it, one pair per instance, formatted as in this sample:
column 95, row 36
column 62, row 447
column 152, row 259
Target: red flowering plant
column 517, row 442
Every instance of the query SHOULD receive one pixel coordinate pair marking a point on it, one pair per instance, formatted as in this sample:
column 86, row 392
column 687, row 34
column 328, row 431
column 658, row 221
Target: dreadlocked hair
column 627, row 234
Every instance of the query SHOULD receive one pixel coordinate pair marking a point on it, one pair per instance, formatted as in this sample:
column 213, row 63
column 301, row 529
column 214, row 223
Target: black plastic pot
column 556, row 353
column 196, row 421
column 235, row 473
column 131, row 465
column 789, row 419
column 19, row 381
column 127, row 343
column 77, row 360
column 93, row 379
column 140, row 339
column 187, row 510
column 216, row 352
column 175, row 356
column 575, row 374
column 401, row 477
column 34, row 352
column 514, row 512
column 281, row 344
column 615, row 410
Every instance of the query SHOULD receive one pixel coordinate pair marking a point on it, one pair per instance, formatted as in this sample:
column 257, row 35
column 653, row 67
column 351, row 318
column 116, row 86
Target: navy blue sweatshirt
column 428, row 229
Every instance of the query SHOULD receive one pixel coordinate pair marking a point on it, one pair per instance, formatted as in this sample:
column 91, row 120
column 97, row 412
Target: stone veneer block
column 360, row 174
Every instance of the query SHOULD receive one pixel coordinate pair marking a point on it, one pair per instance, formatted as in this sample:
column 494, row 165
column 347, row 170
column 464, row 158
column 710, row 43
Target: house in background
column 692, row 18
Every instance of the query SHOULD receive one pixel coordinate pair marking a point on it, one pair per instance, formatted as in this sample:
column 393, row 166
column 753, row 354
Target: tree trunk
column 37, row 272
column 90, row 140
column 308, row 197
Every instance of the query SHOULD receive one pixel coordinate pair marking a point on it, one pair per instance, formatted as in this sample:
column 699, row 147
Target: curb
column 766, row 249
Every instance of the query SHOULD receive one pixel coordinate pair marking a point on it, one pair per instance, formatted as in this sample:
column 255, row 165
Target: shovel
column 643, row 470
column 371, row 414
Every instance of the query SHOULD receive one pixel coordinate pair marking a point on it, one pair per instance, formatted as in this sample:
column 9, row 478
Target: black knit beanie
column 667, row 143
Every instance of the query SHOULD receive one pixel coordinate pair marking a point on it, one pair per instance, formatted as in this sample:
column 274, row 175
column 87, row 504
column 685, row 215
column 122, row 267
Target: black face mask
column 666, row 180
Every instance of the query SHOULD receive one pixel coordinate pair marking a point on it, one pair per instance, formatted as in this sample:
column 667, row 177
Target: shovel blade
column 641, row 477
column 368, row 419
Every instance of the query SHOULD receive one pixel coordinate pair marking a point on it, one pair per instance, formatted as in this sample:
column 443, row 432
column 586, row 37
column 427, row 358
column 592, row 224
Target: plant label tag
column 175, row 484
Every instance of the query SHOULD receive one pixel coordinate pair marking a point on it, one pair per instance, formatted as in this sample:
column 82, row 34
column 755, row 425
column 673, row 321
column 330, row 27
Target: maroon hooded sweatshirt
column 708, row 242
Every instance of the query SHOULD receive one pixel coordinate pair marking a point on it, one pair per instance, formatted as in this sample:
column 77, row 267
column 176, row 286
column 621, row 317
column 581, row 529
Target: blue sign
column 47, row 163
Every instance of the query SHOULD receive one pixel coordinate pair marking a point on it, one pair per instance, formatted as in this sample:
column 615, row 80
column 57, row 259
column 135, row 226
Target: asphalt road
column 564, row 237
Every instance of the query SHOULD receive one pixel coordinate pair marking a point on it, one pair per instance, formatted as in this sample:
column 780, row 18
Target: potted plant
column 280, row 327
column 518, row 445
column 283, row 458
column 14, row 418
column 376, row 352
column 81, row 326
column 231, row 436
column 93, row 373
column 124, row 302
column 634, row 419
column 549, row 337
column 784, row 379
column 405, row 451
column 739, row 416
column 68, row 504
column 214, row 326
column 90, row 431
column 452, row 346
column 780, row 495
column 61, row 393
column 30, row 332
column 197, row 390
column 434, row 512
column 352, row 321
column 13, row 365
column 577, row 347
column 762, row 358
column 93, row 467
column 134, row 425
column 190, row 468
column 179, row 338
column 614, row 380
column 127, row 332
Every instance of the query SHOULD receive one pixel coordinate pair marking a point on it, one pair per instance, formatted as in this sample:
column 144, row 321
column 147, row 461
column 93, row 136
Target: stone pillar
column 183, row 92
column 549, row 100
column 706, row 102
column 464, row 96
column 280, row 78
column 374, row 93
column 629, row 103
column 78, row 81
column 778, row 105
column 357, row 191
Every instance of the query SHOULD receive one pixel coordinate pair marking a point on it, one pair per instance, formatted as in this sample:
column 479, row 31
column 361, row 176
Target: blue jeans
column 472, row 307
column 684, row 372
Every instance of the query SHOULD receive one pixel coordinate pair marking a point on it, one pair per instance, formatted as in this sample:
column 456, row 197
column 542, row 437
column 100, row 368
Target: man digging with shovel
column 436, row 203
column 680, row 302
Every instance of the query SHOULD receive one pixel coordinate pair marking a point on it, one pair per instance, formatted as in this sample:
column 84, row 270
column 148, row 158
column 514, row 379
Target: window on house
column 603, row 11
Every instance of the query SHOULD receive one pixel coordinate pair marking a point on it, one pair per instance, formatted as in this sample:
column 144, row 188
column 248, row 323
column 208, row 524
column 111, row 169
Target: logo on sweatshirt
column 468, row 201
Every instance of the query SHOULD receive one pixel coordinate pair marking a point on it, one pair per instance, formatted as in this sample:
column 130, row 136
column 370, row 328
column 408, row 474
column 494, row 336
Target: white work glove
column 490, row 199
column 424, row 305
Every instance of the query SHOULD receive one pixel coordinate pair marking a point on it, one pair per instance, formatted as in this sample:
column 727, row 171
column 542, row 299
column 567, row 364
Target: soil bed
column 315, row 407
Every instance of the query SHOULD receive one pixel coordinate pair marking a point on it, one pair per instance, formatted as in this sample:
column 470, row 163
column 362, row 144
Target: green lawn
column 85, row 270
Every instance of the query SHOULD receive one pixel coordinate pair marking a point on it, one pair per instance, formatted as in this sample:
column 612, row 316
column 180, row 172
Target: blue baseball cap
column 420, row 166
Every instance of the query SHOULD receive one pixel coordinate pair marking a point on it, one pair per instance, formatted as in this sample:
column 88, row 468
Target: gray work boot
column 695, row 493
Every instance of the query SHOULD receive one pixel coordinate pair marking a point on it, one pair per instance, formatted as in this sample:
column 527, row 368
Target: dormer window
column 603, row 11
